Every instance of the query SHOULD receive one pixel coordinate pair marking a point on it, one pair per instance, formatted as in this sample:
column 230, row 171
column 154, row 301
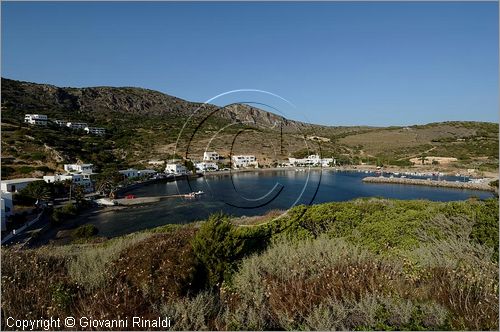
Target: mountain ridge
column 144, row 124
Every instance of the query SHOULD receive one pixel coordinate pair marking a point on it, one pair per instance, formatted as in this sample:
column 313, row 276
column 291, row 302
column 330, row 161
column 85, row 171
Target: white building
column 61, row 123
column 209, row 156
column 7, row 208
column 36, row 119
column 83, row 180
column 312, row 160
column 76, row 125
column 129, row 173
column 207, row 166
column 95, row 130
column 15, row 185
column 78, row 168
column 57, row 178
column 244, row 161
column 146, row 172
column 176, row 169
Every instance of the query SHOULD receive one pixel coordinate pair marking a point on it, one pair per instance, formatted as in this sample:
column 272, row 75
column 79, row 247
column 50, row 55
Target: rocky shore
column 432, row 183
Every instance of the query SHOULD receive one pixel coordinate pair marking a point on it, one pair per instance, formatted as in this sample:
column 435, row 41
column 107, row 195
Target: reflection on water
column 255, row 193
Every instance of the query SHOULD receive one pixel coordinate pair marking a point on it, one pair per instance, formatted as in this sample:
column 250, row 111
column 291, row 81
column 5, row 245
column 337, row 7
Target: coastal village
column 84, row 178
column 293, row 166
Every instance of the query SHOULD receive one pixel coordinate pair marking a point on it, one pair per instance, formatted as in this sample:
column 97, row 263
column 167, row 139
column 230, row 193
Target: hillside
column 367, row 264
column 143, row 125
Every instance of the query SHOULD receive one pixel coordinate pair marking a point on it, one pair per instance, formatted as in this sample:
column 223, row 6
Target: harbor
column 484, row 186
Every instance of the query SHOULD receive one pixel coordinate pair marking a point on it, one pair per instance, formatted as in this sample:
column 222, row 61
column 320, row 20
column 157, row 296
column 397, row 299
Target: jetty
column 152, row 199
column 431, row 183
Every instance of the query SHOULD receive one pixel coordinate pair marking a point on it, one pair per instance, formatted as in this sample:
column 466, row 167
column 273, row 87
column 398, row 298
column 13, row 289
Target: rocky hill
column 142, row 125
column 98, row 101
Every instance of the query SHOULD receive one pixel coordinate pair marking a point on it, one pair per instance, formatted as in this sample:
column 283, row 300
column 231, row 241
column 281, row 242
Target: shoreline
column 61, row 234
column 360, row 168
column 430, row 183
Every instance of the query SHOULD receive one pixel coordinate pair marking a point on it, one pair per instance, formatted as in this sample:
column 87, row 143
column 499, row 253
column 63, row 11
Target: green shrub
column 217, row 247
column 85, row 231
column 25, row 169
column 60, row 214
column 7, row 171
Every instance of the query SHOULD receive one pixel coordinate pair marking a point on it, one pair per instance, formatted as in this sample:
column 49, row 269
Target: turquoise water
column 255, row 193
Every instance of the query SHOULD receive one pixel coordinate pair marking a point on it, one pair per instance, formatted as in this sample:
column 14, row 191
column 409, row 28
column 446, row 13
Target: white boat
column 106, row 201
column 195, row 194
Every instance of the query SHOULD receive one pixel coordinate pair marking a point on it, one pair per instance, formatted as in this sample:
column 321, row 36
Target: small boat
column 195, row 194
column 106, row 202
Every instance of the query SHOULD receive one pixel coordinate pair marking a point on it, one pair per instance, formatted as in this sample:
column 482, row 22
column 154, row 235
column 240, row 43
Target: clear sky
column 339, row 63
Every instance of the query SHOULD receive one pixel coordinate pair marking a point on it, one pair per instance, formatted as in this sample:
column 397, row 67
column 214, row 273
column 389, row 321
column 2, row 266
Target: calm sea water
column 255, row 193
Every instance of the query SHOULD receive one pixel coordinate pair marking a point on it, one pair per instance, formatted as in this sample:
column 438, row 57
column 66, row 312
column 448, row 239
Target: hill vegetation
column 372, row 264
column 143, row 125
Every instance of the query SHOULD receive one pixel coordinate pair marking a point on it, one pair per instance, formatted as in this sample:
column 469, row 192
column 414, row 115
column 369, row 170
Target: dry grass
column 323, row 284
column 383, row 140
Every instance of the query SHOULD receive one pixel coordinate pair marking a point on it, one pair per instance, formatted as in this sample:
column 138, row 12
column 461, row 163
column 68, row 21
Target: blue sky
column 338, row 63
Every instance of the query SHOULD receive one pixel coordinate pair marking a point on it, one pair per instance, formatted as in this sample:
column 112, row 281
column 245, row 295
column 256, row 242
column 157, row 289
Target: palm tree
column 38, row 190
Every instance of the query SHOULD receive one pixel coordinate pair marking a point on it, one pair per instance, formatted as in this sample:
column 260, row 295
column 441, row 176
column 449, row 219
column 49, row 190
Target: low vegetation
column 373, row 264
column 142, row 125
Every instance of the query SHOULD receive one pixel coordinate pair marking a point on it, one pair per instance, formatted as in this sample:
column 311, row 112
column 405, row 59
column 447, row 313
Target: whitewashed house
column 76, row 125
column 129, row 173
column 312, row 160
column 95, row 131
column 7, row 208
column 146, row 172
column 15, row 185
column 207, row 166
column 83, row 179
column 244, row 161
column 57, row 178
column 79, row 168
column 176, row 169
column 36, row 119
column 210, row 156
column 61, row 123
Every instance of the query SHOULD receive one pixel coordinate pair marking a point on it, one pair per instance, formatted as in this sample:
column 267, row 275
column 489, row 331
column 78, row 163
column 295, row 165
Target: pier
column 431, row 183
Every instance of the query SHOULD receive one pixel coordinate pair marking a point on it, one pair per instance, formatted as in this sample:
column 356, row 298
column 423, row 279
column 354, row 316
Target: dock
column 431, row 183
column 151, row 199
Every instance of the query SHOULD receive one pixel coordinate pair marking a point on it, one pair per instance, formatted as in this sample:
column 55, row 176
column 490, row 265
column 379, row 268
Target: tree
column 217, row 247
column 190, row 166
column 107, row 181
column 78, row 194
column 38, row 190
